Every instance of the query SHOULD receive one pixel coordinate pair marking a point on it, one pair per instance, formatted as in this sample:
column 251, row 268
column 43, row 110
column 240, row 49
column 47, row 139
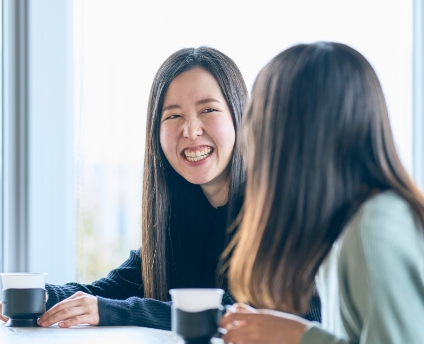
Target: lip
column 200, row 162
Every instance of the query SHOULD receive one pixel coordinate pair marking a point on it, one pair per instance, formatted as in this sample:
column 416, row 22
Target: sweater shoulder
column 386, row 217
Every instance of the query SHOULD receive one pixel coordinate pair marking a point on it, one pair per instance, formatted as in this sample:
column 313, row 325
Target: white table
column 88, row 334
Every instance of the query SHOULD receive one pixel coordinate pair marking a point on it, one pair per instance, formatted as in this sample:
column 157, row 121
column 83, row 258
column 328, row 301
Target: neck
column 217, row 194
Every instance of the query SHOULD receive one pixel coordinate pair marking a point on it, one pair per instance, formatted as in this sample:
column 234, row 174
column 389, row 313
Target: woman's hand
column 2, row 317
column 247, row 326
column 80, row 308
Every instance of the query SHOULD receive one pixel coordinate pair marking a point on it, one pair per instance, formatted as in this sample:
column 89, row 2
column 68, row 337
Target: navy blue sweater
column 120, row 297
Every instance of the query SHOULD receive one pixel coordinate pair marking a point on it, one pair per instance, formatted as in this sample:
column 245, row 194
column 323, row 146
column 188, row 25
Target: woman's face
column 197, row 132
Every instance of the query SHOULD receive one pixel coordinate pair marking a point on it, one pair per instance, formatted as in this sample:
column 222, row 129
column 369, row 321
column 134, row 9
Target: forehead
column 193, row 85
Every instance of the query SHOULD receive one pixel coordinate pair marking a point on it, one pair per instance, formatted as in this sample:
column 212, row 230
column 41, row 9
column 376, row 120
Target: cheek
column 167, row 142
column 225, row 136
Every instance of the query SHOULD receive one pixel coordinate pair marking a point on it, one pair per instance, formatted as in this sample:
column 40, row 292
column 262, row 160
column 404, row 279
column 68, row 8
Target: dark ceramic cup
column 196, row 327
column 196, row 314
column 24, row 298
column 23, row 306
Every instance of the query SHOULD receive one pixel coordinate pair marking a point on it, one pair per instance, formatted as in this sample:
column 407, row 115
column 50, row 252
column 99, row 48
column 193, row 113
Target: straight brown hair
column 318, row 143
column 165, row 217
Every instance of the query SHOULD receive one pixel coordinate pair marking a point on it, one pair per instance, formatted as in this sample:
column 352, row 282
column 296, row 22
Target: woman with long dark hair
column 328, row 202
column 193, row 186
column 176, row 211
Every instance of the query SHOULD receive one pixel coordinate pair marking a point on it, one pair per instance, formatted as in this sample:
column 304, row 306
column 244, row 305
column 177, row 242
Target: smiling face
column 197, row 132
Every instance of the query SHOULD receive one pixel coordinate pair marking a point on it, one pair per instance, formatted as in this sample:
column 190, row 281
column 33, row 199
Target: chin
column 198, row 180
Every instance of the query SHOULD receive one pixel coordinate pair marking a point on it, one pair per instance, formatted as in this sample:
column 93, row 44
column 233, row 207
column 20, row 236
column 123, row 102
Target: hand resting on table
column 80, row 308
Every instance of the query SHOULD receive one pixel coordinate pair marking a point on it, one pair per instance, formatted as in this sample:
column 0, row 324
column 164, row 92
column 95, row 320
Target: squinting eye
column 172, row 116
column 209, row 110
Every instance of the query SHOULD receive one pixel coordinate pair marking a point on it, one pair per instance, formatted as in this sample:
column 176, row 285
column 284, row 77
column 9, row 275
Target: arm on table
column 120, row 298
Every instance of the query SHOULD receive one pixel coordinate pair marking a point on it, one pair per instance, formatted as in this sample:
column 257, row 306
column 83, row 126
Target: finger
column 2, row 317
column 63, row 315
column 59, row 307
column 233, row 324
column 240, row 317
column 78, row 294
column 243, row 308
column 239, row 335
column 240, row 305
column 228, row 310
column 236, row 307
column 81, row 319
column 228, row 319
column 236, row 324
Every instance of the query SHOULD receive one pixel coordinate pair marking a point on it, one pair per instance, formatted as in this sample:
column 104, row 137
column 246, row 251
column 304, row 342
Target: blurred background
column 96, row 60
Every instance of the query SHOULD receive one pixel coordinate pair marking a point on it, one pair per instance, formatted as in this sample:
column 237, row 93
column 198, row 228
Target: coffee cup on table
column 196, row 314
column 24, row 298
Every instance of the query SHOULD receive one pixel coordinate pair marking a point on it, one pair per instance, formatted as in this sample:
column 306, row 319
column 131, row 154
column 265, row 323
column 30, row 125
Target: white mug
column 196, row 299
column 23, row 280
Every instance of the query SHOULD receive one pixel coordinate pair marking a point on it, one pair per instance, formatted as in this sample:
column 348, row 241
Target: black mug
column 196, row 313
column 196, row 327
column 23, row 306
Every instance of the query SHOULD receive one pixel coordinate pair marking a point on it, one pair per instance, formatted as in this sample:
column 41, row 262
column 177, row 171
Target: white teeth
column 198, row 154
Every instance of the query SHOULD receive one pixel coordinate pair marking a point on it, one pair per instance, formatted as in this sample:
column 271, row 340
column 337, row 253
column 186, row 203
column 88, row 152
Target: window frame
column 14, row 135
column 38, row 225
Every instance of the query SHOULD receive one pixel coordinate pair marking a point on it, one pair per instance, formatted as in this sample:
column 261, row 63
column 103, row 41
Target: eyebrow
column 200, row 102
column 170, row 107
column 207, row 100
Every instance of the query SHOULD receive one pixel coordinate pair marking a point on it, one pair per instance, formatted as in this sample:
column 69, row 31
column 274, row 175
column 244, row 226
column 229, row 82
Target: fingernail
column 44, row 323
column 222, row 330
column 230, row 308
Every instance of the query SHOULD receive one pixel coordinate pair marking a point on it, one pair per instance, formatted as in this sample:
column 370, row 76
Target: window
column 119, row 45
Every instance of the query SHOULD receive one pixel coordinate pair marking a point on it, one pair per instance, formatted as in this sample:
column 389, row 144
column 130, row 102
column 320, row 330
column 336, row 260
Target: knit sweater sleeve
column 121, row 298
column 381, row 278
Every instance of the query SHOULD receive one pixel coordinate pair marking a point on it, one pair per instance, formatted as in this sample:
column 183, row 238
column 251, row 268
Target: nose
column 192, row 129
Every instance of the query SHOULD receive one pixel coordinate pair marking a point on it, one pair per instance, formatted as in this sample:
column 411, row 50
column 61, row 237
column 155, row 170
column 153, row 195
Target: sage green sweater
column 372, row 282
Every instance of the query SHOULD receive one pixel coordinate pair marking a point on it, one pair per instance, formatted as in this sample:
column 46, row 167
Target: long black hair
column 163, row 264
column 319, row 144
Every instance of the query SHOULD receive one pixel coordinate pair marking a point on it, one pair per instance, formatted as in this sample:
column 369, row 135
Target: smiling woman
column 199, row 98
column 187, row 205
